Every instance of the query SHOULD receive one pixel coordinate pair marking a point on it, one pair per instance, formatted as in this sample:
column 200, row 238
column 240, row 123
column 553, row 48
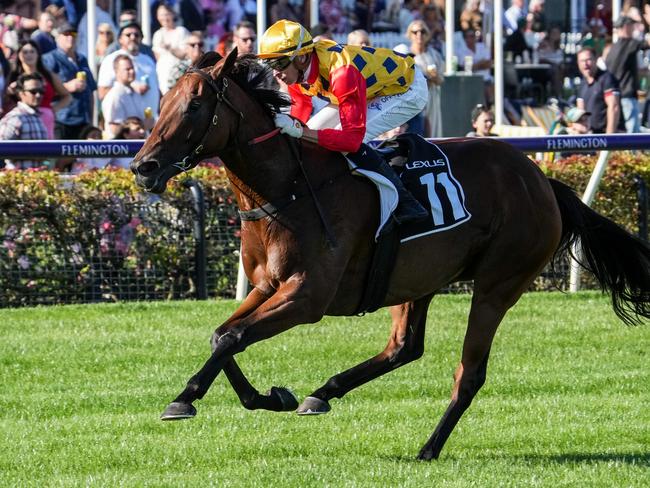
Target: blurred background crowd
column 561, row 75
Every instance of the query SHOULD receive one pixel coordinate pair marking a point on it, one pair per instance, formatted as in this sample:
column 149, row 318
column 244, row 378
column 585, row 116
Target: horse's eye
column 194, row 105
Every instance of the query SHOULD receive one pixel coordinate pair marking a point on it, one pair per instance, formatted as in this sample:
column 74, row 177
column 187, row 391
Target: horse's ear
column 229, row 62
column 208, row 59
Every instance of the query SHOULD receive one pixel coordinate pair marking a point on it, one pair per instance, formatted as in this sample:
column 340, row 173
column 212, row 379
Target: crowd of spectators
column 45, row 74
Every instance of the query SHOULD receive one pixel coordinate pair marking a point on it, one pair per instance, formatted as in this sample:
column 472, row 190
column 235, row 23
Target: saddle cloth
column 428, row 176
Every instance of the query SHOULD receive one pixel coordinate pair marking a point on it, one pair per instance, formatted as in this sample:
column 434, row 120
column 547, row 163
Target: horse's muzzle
column 145, row 168
column 149, row 175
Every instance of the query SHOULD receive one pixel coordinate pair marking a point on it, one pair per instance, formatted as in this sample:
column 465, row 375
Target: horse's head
column 199, row 118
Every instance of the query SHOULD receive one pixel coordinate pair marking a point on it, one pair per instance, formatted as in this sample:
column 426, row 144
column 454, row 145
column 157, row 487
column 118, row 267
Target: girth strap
column 266, row 210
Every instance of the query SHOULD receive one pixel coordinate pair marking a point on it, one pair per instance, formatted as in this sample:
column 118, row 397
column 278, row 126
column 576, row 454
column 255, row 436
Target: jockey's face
column 288, row 75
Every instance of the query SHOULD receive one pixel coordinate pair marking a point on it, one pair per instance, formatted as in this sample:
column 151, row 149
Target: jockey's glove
column 288, row 125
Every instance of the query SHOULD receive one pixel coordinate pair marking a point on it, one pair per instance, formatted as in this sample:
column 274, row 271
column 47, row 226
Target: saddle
column 426, row 172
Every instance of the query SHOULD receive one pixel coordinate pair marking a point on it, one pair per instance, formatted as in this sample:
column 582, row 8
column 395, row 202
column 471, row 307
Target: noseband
column 190, row 160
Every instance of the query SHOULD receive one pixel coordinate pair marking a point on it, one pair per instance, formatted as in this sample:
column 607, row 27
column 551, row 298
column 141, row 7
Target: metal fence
column 95, row 248
column 103, row 246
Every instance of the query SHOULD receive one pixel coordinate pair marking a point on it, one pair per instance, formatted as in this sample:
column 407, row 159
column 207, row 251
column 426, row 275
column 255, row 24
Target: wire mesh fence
column 86, row 245
column 96, row 238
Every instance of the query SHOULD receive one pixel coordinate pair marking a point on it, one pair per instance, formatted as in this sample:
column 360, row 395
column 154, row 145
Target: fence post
column 642, row 201
column 198, row 202
column 587, row 198
column 242, row 280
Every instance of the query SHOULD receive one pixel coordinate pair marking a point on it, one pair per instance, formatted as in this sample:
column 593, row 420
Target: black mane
column 254, row 77
column 257, row 80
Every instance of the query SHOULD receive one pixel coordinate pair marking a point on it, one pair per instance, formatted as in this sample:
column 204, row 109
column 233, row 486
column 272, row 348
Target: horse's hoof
column 426, row 454
column 178, row 411
column 313, row 406
column 288, row 401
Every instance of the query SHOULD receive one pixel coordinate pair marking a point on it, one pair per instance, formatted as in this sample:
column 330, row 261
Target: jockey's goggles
column 278, row 64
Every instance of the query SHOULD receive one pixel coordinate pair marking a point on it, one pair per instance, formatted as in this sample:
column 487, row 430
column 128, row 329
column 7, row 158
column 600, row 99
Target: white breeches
column 384, row 113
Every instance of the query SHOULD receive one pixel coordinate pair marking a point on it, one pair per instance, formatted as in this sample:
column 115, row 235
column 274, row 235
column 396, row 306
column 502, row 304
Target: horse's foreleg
column 276, row 399
column 406, row 344
column 290, row 305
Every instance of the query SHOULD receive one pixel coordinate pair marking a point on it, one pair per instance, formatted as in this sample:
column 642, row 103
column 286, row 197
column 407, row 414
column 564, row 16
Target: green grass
column 565, row 403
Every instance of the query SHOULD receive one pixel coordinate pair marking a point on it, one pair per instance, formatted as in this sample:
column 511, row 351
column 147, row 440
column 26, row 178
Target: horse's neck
column 271, row 173
column 261, row 172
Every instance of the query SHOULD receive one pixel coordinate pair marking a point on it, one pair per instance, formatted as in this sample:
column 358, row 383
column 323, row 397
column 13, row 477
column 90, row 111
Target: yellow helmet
column 285, row 39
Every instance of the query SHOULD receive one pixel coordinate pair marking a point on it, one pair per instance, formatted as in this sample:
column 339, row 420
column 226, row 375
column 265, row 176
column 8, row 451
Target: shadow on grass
column 638, row 459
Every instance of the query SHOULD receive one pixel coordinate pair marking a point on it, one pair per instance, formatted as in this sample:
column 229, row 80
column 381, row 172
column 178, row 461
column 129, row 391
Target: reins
column 329, row 235
column 267, row 209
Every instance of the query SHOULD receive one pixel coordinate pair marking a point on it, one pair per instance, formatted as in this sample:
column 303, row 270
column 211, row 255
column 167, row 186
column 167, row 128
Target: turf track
column 565, row 404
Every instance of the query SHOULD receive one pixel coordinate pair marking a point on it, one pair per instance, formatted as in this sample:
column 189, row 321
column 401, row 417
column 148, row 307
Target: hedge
column 97, row 237
column 616, row 197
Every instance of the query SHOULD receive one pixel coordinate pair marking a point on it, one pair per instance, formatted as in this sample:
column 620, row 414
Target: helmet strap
column 302, row 38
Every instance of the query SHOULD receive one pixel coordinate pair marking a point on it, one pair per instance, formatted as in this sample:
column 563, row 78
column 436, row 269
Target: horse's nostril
column 147, row 167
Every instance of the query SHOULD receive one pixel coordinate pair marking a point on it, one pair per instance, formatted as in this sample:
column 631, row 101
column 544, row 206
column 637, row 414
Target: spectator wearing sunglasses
column 73, row 70
column 56, row 97
column 105, row 39
column 194, row 48
column 128, row 16
column 244, row 38
column 23, row 122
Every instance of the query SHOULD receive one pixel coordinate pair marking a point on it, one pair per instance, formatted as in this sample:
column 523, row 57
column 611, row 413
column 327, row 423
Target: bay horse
column 520, row 219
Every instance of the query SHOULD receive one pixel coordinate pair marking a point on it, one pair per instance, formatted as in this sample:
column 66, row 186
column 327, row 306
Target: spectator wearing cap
column 101, row 17
column 146, row 80
column 577, row 121
column 482, row 122
column 129, row 16
column 599, row 93
column 23, row 122
column 622, row 63
column 72, row 67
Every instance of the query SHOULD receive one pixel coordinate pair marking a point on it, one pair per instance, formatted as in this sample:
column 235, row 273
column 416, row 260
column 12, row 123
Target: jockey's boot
column 408, row 208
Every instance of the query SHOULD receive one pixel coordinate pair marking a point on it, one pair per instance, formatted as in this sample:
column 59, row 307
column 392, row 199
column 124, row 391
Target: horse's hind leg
column 406, row 344
column 489, row 305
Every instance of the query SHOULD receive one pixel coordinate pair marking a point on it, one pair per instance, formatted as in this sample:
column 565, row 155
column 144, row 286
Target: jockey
column 369, row 90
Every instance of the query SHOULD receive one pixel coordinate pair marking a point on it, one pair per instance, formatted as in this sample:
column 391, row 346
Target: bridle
column 192, row 159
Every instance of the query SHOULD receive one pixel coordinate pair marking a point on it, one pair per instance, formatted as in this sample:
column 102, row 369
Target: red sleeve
column 349, row 87
column 301, row 106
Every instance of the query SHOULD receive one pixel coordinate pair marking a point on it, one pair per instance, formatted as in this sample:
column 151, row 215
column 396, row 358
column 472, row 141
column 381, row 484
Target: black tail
column 619, row 260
